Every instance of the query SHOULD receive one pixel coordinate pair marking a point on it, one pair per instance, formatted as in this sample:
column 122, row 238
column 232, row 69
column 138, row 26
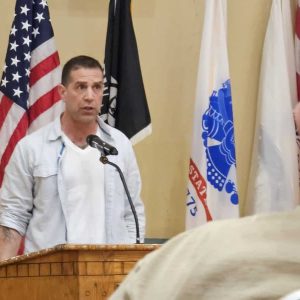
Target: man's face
column 83, row 94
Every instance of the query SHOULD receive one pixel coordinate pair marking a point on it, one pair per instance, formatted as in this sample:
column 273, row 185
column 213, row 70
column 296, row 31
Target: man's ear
column 61, row 91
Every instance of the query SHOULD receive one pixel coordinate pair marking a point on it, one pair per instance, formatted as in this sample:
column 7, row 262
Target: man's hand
column 10, row 241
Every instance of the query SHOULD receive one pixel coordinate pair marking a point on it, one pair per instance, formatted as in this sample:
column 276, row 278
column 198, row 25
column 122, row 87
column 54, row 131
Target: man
column 255, row 257
column 55, row 190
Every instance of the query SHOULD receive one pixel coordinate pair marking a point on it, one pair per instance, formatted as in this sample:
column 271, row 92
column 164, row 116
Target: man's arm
column 16, row 201
column 10, row 241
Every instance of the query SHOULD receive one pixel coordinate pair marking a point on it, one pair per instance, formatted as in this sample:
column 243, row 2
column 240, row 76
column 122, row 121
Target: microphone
column 105, row 148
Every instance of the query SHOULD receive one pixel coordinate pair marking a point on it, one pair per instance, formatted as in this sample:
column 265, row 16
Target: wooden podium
column 69, row 272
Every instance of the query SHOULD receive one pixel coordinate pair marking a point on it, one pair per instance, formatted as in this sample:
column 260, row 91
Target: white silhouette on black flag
column 124, row 103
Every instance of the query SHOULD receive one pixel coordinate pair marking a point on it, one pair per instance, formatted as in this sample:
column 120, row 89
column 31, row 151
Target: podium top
column 82, row 247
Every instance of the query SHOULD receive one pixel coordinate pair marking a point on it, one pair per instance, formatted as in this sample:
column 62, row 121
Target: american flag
column 28, row 89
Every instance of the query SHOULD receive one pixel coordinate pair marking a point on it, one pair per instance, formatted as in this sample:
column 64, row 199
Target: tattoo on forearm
column 6, row 233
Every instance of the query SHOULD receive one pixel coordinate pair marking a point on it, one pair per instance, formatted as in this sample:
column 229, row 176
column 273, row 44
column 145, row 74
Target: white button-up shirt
column 33, row 192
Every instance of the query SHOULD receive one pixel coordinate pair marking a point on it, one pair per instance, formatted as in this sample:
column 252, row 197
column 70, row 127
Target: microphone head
column 95, row 142
column 113, row 151
column 91, row 139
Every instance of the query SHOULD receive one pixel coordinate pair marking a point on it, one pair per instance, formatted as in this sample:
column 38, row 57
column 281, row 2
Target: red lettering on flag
column 199, row 184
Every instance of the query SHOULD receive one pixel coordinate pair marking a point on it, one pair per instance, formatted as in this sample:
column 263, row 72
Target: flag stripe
column 297, row 53
column 43, row 104
column 46, row 117
column 5, row 106
column 297, row 27
column 10, row 124
column 42, row 52
column 18, row 133
column 44, row 85
column 43, row 68
column 298, row 85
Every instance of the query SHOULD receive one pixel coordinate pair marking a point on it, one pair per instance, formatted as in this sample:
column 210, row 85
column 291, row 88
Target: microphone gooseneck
column 105, row 160
column 106, row 149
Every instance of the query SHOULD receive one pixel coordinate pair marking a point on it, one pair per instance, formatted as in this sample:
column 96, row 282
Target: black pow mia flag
column 124, row 102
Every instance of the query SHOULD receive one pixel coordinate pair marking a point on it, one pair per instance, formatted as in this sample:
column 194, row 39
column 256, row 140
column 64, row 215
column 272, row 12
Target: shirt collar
column 56, row 132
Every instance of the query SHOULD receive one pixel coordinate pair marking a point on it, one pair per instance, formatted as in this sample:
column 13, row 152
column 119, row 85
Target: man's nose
column 89, row 94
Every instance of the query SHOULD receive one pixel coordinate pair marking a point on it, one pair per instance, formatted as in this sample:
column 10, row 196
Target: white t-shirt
column 83, row 175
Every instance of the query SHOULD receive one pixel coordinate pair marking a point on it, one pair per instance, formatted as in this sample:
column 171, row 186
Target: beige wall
column 168, row 34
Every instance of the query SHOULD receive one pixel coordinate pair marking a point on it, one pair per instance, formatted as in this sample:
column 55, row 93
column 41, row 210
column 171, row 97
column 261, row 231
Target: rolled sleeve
column 16, row 193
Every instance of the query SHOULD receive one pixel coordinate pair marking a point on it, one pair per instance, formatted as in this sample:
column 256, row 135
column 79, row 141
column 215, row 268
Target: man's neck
column 77, row 132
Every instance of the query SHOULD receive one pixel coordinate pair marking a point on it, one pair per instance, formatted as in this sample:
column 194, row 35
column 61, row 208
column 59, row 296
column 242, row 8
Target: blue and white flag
column 212, row 187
